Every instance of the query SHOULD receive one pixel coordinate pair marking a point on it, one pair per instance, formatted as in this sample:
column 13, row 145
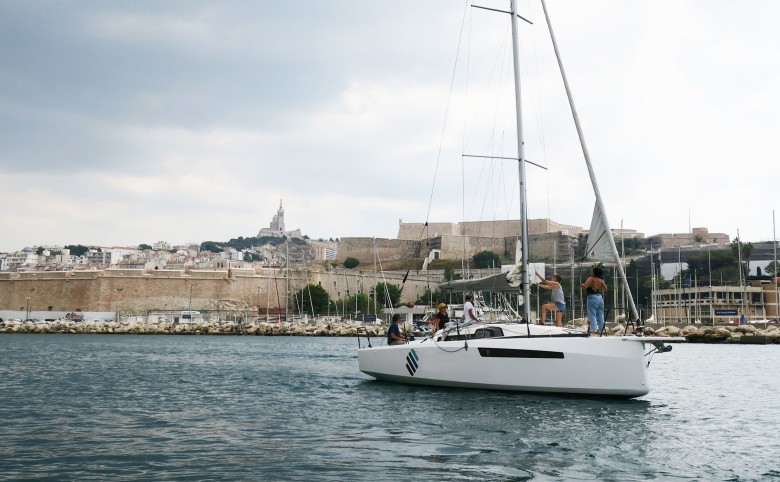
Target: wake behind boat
column 521, row 356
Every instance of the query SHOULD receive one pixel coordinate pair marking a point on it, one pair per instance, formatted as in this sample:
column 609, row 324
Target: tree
column 715, row 263
column 39, row 251
column 77, row 250
column 449, row 272
column 432, row 298
column 210, row 246
column 742, row 251
column 772, row 268
column 315, row 296
column 143, row 246
column 580, row 247
column 351, row 263
column 250, row 256
column 486, row 259
column 388, row 294
column 632, row 245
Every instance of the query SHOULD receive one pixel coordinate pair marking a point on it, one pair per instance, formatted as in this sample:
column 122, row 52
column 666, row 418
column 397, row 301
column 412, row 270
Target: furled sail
column 495, row 283
column 515, row 275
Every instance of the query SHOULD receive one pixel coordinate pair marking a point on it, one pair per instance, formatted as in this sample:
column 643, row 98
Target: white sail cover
column 515, row 275
column 598, row 248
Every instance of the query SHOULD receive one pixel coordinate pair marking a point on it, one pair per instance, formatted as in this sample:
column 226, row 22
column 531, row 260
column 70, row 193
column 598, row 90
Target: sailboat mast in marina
column 526, row 287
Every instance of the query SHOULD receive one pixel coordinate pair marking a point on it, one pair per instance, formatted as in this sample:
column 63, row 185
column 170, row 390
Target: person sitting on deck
column 469, row 312
column 394, row 336
column 441, row 318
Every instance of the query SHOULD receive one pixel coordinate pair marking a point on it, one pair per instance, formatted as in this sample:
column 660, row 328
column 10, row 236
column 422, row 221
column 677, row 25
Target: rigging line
column 446, row 112
column 308, row 285
column 497, row 146
column 463, row 265
column 491, row 146
column 499, row 55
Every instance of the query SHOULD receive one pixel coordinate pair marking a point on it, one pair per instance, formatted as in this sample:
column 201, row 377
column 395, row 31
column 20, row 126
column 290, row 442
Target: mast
column 775, row 273
column 521, row 168
column 599, row 203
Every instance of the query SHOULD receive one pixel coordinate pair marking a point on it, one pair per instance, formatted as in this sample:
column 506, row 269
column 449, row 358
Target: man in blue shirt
column 394, row 336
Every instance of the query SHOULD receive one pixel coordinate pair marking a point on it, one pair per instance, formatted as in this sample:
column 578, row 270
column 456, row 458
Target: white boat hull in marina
column 609, row 366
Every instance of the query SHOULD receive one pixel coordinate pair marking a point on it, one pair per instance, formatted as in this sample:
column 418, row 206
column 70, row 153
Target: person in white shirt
column 469, row 312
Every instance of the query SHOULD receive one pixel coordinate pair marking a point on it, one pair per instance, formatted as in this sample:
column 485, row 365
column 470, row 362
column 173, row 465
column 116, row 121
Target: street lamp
column 258, row 302
column 28, row 309
column 119, row 293
column 190, row 308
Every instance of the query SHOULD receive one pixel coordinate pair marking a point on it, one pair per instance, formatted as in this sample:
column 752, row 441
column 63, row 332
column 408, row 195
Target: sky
column 124, row 123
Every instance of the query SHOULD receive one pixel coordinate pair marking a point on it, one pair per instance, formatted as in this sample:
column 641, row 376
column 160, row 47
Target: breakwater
column 201, row 328
column 744, row 334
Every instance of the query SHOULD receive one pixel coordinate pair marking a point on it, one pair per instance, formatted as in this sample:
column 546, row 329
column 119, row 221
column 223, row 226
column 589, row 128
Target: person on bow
column 557, row 302
column 595, row 287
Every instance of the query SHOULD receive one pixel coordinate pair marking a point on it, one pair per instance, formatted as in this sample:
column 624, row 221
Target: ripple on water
column 244, row 408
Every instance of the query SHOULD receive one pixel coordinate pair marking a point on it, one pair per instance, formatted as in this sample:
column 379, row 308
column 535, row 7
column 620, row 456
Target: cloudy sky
column 130, row 122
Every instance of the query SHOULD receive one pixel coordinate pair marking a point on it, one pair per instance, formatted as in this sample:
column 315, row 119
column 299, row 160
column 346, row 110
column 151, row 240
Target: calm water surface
column 103, row 407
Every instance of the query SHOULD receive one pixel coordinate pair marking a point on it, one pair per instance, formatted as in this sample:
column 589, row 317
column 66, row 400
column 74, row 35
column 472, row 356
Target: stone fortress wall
column 488, row 229
column 139, row 291
column 387, row 249
column 548, row 240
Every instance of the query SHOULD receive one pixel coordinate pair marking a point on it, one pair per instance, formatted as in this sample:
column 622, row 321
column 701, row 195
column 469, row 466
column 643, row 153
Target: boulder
column 692, row 330
column 745, row 329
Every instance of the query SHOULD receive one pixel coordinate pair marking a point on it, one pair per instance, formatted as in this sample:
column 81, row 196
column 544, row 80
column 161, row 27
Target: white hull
column 610, row 366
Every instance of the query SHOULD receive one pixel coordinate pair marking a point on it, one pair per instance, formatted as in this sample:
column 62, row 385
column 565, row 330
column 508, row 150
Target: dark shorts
column 561, row 306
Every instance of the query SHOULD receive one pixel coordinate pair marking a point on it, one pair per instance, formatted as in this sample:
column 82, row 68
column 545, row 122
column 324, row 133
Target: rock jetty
column 745, row 334
column 203, row 328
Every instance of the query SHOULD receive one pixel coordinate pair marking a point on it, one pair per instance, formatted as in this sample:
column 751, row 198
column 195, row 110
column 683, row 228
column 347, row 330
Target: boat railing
column 362, row 330
column 638, row 326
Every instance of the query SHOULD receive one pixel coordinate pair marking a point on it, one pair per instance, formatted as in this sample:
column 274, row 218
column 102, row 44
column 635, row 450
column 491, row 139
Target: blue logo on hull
column 411, row 362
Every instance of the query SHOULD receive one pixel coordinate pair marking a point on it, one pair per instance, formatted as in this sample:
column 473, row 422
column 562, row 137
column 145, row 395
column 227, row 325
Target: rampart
column 363, row 249
column 418, row 231
column 140, row 291
column 483, row 229
column 464, row 247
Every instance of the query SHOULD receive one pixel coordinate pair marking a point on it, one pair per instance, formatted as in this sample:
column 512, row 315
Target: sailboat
column 521, row 356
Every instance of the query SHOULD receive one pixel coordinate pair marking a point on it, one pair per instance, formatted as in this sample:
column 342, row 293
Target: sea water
column 100, row 407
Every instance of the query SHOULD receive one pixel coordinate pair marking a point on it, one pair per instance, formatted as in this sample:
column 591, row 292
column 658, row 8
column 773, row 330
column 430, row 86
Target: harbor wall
column 492, row 229
column 364, row 249
column 140, row 291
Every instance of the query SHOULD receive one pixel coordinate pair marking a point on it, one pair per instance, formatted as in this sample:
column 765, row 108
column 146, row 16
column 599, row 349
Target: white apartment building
column 21, row 258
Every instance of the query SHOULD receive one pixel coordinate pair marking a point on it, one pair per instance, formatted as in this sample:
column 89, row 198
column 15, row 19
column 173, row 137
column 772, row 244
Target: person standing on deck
column 595, row 287
column 557, row 303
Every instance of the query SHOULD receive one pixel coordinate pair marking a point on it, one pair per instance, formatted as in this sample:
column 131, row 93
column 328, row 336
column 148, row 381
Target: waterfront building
column 716, row 304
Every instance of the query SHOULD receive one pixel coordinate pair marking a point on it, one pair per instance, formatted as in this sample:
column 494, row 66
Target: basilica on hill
column 276, row 228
